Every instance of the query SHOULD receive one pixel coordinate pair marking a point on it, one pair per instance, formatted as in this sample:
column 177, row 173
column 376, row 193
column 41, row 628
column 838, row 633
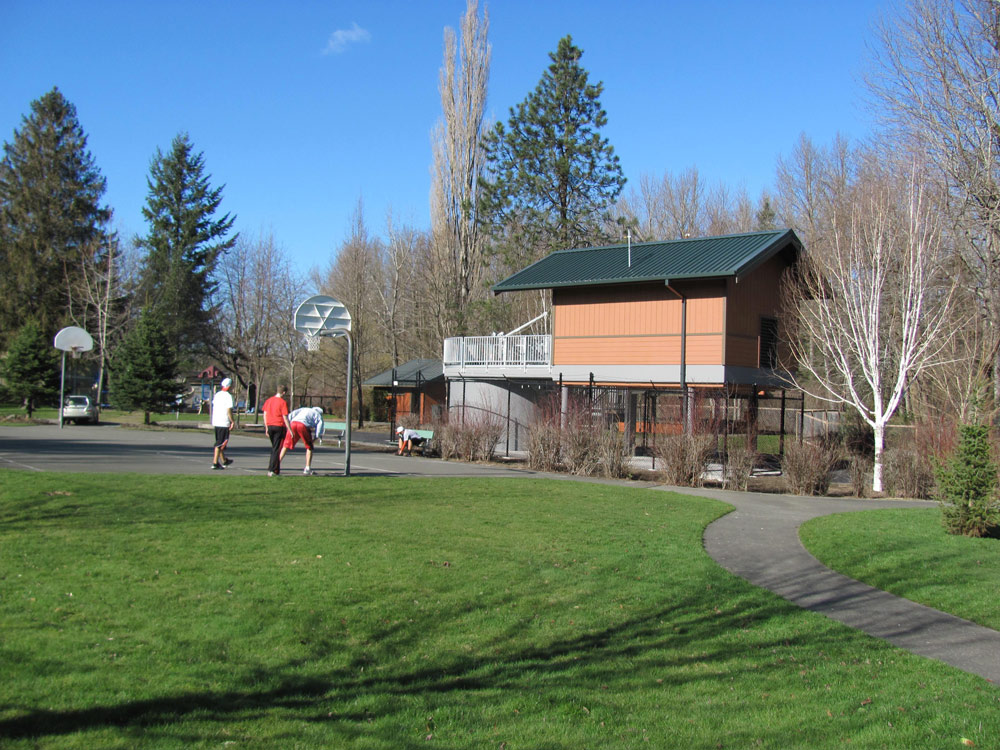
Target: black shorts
column 221, row 437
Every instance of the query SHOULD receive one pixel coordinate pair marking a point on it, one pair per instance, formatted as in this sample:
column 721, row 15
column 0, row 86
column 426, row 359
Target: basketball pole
column 62, row 389
column 347, row 405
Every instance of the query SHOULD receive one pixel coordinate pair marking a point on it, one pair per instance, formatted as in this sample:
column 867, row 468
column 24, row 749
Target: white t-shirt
column 222, row 403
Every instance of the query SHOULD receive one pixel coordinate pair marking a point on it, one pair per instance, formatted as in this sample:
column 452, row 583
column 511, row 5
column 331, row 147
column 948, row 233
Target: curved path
column 759, row 541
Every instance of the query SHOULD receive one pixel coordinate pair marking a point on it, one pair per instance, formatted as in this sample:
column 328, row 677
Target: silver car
column 79, row 409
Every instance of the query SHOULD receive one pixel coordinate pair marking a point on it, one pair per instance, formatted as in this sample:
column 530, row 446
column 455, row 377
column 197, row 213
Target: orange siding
column 639, row 350
column 637, row 325
column 755, row 296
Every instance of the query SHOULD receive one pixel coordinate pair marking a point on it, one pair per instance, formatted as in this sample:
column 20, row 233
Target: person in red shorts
column 305, row 425
column 276, row 427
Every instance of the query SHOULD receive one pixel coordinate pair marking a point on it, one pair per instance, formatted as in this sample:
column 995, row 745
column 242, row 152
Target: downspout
column 683, row 374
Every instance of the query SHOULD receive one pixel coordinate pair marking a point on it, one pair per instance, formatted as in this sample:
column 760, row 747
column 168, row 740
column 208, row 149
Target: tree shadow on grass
column 680, row 643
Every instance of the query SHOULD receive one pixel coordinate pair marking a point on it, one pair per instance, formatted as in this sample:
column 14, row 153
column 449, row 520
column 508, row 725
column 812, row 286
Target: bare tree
column 99, row 300
column 349, row 280
column 254, row 277
column 873, row 308
column 458, row 164
column 936, row 78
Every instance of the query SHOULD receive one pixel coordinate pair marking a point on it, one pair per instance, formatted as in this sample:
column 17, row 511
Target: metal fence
column 767, row 419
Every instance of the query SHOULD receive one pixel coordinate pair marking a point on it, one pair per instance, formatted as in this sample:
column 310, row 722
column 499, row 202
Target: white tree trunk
column 879, row 450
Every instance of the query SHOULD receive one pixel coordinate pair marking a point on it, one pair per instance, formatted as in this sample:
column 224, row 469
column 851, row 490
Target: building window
column 769, row 343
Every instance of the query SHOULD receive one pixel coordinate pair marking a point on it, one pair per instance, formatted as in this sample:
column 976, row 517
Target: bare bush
column 543, row 445
column 908, row 474
column 861, row 467
column 615, row 454
column 739, row 467
column 683, row 458
column 448, row 438
column 581, row 452
column 807, row 467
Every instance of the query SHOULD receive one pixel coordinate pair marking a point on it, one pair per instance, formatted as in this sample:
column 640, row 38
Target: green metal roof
column 698, row 258
column 410, row 373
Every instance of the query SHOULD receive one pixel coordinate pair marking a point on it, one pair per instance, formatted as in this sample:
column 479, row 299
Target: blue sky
column 302, row 108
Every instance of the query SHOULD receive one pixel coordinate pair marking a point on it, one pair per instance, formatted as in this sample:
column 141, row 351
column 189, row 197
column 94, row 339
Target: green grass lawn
column 212, row 612
column 908, row 553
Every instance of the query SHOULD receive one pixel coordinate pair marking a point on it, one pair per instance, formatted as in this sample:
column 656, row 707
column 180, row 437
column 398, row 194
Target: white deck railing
column 498, row 352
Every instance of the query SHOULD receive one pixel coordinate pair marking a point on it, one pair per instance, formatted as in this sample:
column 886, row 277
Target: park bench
column 337, row 430
column 426, row 447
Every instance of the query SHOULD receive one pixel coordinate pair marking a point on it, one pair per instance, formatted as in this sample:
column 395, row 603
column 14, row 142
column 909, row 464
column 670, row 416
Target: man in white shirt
column 407, row 439
column 306, row 423
column 222, row 421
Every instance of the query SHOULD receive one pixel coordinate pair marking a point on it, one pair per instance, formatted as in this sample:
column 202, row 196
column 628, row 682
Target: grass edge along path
column 907, row 552
column 169, row 612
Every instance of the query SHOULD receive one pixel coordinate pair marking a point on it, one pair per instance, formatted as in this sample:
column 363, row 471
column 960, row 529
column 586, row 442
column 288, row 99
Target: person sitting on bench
column 407, row 439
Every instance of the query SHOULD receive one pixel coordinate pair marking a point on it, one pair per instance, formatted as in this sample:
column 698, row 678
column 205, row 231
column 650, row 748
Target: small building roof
column 697, row 258
column 409, row 374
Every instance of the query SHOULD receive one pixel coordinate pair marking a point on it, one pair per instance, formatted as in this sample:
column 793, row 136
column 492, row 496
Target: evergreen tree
column 50, row 209
column 967, row 486
column 183, row 246
column 144, row 374
column 31, row 367
column 553, row 179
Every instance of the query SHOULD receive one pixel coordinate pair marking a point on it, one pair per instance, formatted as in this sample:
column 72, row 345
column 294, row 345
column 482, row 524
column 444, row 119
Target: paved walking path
column 759, row 541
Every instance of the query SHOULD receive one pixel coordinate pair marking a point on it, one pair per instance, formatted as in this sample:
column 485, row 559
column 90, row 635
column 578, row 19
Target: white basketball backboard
column 322, row 316
column 73, row 339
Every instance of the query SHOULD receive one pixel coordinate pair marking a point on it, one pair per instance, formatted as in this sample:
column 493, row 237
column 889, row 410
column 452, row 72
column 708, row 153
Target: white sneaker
column 308, row 472
column 270, row 473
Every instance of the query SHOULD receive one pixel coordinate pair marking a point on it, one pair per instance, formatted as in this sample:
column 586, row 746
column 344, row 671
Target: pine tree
column 144, row 375
column 50, row 208
column 183, row 246
column 553, row 178
column 31, row 367
column 967, row 486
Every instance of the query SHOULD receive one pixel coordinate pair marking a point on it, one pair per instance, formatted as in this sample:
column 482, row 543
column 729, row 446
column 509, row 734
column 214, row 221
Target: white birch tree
column 867, row 316
column 936, row 80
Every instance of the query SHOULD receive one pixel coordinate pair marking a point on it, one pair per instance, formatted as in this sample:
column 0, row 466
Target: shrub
column 739, row 467
column 907, row 473
column 807, row 465
column 580, row 449
column 967, row 486
column 862, row 469
column 543, row 445
column 683, row 457
column 615, row 454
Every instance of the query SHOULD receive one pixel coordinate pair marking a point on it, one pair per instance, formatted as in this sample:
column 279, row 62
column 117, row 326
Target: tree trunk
column 879, row 450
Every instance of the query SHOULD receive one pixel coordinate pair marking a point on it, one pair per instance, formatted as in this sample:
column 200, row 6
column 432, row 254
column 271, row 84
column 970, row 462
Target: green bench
column 336, row 429
column 428, row 436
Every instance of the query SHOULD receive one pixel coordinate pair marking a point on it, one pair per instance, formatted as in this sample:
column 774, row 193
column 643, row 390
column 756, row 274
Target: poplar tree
column 183, row 246
column 553, row 179
column 50, row 209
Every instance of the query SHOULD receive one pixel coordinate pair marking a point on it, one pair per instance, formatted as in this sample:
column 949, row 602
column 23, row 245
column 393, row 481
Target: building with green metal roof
column 677, row 316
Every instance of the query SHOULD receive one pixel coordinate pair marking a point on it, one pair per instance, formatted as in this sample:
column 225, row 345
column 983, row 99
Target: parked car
column 79, row 409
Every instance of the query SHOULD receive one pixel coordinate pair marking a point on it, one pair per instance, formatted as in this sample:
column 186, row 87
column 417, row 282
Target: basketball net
column 312, row 342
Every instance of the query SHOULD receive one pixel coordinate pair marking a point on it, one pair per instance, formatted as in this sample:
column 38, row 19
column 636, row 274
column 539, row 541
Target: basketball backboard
column 73, row 339
column 322, row 316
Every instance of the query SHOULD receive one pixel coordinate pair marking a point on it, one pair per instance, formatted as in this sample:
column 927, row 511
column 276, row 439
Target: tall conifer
column 553, row 178
column 50, row 209
column 183, row 245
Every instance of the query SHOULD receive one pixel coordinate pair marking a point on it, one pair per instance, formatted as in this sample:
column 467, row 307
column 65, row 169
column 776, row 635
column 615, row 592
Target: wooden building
column 689, row 314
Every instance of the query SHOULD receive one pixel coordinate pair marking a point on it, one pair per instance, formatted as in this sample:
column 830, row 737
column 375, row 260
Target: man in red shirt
column 275, row 427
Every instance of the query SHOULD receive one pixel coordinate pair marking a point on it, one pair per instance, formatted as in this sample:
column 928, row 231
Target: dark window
column 769, row 343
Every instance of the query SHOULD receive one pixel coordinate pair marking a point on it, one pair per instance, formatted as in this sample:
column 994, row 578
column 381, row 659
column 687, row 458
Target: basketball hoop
column 75, row 352
column 312, row 342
